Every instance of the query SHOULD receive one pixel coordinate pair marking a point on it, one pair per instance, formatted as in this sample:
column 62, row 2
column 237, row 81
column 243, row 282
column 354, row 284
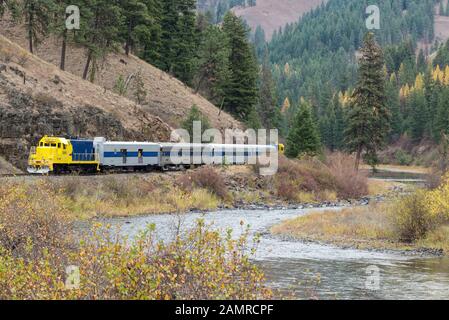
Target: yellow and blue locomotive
column 61, row 155
column 64, row 155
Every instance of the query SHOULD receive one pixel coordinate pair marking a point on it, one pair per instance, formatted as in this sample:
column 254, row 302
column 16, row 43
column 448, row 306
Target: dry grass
column 354, row 226
column 377, row 187
column 134, row 195
column 402, row 225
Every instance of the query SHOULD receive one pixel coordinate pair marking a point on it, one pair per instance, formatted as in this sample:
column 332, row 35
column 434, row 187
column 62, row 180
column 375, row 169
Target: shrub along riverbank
column 38, row 242
column 419, row 221
column 208, row 188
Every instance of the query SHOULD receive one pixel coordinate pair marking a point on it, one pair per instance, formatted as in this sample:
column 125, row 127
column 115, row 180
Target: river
column 293, row 267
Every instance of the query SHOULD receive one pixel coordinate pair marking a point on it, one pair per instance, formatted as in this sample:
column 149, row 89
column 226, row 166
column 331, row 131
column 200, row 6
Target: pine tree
column 394, row 105
column 149, row 36
column 419, row 114
column 136, row 17
column 267, row 108
column 303, row 137
column 169, row 34
column 212, row 65
column 368, row 119
column 185, row 41
column 241, row 90
column 102, row 32
column 195, row 115
column 38, row 16
column 442, row 121
column 260, row 42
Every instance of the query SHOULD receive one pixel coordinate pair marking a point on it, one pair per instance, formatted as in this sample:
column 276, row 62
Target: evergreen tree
column 268, row 111
column 212, row 71
column 195, row 115
column 260, row 42
column 149, row 35
column 419, row 115
column 332, row 125
column 241, row 90
column 442, row 57
column 169, row 34
column 303, row 137
column 101, row 35
column 368, row 119
column 136, row 17
column 393, row 102
column 183, row 64
column 38, row 16
column 442, row 121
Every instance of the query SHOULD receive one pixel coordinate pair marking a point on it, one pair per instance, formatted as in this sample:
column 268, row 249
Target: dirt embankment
column 166, row 97
column 36, row 98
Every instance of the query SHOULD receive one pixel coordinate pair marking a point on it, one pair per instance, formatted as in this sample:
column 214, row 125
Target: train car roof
column 131, row 143
column 215, row 145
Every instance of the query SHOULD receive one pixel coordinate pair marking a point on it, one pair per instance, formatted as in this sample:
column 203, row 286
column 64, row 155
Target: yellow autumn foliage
column 37, row 243
column 416, row 215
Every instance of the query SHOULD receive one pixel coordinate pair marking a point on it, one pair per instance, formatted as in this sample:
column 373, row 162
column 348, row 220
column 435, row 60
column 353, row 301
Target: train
column 58, row 155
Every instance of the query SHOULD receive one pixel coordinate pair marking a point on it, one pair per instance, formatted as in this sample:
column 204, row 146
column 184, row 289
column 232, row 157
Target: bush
column 311, row 175
column 411, row 218
column 403, row 158
column 350, row 183
column 207, row 178
column 33, row 215
column 202, row 264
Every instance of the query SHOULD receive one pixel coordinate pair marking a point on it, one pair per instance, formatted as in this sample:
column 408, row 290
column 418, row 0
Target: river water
column 309, row 270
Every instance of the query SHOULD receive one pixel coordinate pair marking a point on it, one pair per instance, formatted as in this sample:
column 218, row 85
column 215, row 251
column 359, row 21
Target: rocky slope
column 166, row 97
column 36, row 98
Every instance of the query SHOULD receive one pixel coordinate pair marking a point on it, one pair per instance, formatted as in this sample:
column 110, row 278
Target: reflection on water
column 293, row 267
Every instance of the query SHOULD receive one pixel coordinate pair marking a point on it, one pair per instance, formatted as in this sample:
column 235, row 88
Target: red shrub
column 349, row 182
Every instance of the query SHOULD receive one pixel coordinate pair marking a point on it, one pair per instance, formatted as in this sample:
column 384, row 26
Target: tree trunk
column 63, row 49
column 128, row 39
column 357, row 158
column 86, row 67
column 200, row 82
column 30, row 30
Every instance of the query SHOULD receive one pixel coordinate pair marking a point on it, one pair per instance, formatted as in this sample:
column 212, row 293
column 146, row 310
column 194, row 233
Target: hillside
column 273, row 14
column 167, row 97
column 441, row 25
column 36, row 98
